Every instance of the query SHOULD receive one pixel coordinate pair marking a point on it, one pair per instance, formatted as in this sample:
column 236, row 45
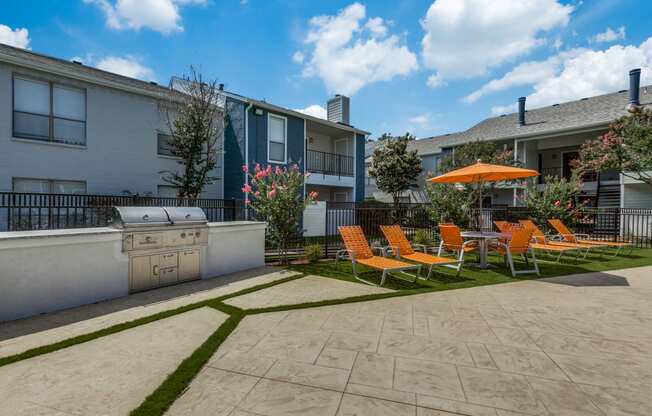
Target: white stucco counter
column 44, row 271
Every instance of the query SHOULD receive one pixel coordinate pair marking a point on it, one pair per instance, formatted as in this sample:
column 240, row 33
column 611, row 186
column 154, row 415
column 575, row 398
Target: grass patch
column 163, row 397
column 445, row 278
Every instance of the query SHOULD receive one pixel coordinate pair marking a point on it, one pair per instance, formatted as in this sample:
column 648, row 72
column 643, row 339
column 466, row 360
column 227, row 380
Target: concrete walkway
column 24, row 334
column 107, row 376
column 304, row 290
column 577, row 345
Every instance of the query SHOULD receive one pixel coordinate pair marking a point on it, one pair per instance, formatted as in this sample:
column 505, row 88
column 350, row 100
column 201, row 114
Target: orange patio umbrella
column 483, row 172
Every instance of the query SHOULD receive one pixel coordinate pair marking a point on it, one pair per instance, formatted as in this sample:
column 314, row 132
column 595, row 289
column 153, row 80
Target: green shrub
column 422, row 237
column 313, row 252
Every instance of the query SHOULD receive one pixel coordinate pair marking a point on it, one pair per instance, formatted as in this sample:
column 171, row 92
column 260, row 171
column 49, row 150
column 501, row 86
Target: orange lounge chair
column 539, row 237
column 451, row 241
column 519, row 244
column 402, row 248
column 568, row 236
column 359, row 252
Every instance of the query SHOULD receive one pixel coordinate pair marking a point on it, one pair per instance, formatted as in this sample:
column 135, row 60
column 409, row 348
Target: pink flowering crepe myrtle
column 276, row 195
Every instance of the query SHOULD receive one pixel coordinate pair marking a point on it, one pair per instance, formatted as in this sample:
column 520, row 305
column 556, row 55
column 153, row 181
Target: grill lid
column 124, row 217
column 186, row 215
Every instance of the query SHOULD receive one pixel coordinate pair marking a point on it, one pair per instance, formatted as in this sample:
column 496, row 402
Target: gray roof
column 62, row 67
column 585, row 114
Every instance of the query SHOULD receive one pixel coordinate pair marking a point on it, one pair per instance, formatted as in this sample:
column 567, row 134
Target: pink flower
column 307, row 174
column 279, row 171
column 272, row 193
column 313, row 195
column 269, row 169
column 246, row 188
column 245, row 168
column 247, row 202
column 557, row 203
column 261, row 174
column 257, row 194
column 257, row 167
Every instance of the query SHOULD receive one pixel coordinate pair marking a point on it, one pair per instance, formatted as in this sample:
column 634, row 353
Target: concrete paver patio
column 575, row 345
column 557, row 346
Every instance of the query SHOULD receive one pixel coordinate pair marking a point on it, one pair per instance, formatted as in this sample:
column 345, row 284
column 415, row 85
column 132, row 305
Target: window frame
column 158, row 145
column 51, row 117
column 50, row 183
column 269, row 139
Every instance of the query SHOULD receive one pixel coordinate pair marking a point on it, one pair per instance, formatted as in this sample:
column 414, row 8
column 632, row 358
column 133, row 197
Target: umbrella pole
column 480, row 204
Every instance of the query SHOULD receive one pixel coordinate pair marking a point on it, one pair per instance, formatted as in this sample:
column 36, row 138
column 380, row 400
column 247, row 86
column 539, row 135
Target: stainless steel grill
column 163, row 244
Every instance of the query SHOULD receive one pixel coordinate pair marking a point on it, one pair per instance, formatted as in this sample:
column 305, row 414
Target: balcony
column 557, row 172
column 329, row 163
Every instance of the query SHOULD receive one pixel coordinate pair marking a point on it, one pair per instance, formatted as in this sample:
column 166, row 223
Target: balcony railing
column 589, row 176
column 329, row 163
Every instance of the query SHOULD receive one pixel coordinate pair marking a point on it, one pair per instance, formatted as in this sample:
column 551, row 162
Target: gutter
column 247, row 155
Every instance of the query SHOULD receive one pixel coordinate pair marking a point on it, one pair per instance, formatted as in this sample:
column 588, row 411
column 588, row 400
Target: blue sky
column 430, row 67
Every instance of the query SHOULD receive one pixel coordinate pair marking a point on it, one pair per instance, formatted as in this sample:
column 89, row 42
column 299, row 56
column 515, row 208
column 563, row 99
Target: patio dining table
column 483, row 238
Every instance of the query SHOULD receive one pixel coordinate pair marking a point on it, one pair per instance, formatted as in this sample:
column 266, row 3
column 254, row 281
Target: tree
column 470, row 153
column 394, row 167
column 449, row 203
column 276, row 196
column 195, row 125
column 625, row 148
column 559, row 198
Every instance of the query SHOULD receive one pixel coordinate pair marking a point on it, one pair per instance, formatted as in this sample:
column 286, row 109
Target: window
column 168, row 191
column 48, row 111
column 276, row 134
column 48, row 186
column 164, row 144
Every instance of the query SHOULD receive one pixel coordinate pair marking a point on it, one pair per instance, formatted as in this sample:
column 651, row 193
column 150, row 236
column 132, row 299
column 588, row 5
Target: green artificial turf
column 163, row 397
column 445, row 278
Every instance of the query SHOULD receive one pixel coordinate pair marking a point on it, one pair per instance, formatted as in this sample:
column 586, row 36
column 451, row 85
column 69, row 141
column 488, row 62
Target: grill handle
column 155, row 270
column 145, row 217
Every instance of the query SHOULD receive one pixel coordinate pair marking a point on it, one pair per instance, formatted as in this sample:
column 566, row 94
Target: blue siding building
column 261, row 133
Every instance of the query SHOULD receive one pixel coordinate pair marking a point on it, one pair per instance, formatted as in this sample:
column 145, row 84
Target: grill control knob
column 183, row 235
column 197, row 234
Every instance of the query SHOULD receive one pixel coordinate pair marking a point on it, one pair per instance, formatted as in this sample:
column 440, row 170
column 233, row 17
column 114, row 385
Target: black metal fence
column 35, row 211
column 612, row 224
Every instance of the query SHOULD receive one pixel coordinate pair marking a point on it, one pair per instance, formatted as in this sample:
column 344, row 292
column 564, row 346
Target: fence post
column 326, row 236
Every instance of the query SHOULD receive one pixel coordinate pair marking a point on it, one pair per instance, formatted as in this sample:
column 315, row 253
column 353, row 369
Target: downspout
column 246, row 216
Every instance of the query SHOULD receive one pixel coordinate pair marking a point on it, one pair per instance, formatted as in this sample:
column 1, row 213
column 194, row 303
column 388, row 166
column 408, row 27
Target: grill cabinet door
column 189, row 264
column 142, row 273
column 169, row 275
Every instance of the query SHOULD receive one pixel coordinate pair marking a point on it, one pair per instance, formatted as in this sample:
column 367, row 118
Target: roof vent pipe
column 521, row 111
column 634, row 85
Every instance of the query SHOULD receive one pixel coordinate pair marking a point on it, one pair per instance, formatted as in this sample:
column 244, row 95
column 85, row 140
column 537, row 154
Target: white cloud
column 159, row 15
column 435, row 80
column 421, row 120
column 610, row 35
column 298, row 57
column 376, row 26
column 314, row 110
column 586, row 73
column 526, row 73
column 465, row 38
column 128, row 66
column 18, row 38
column 348, row 52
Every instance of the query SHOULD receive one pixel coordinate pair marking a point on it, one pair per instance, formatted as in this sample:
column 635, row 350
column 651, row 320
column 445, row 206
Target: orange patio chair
column 570, row 237
column 402, row 248
column 539, row 237
column 359, row 252
column 539, row 241
column 451, row 241
column 519, row 244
